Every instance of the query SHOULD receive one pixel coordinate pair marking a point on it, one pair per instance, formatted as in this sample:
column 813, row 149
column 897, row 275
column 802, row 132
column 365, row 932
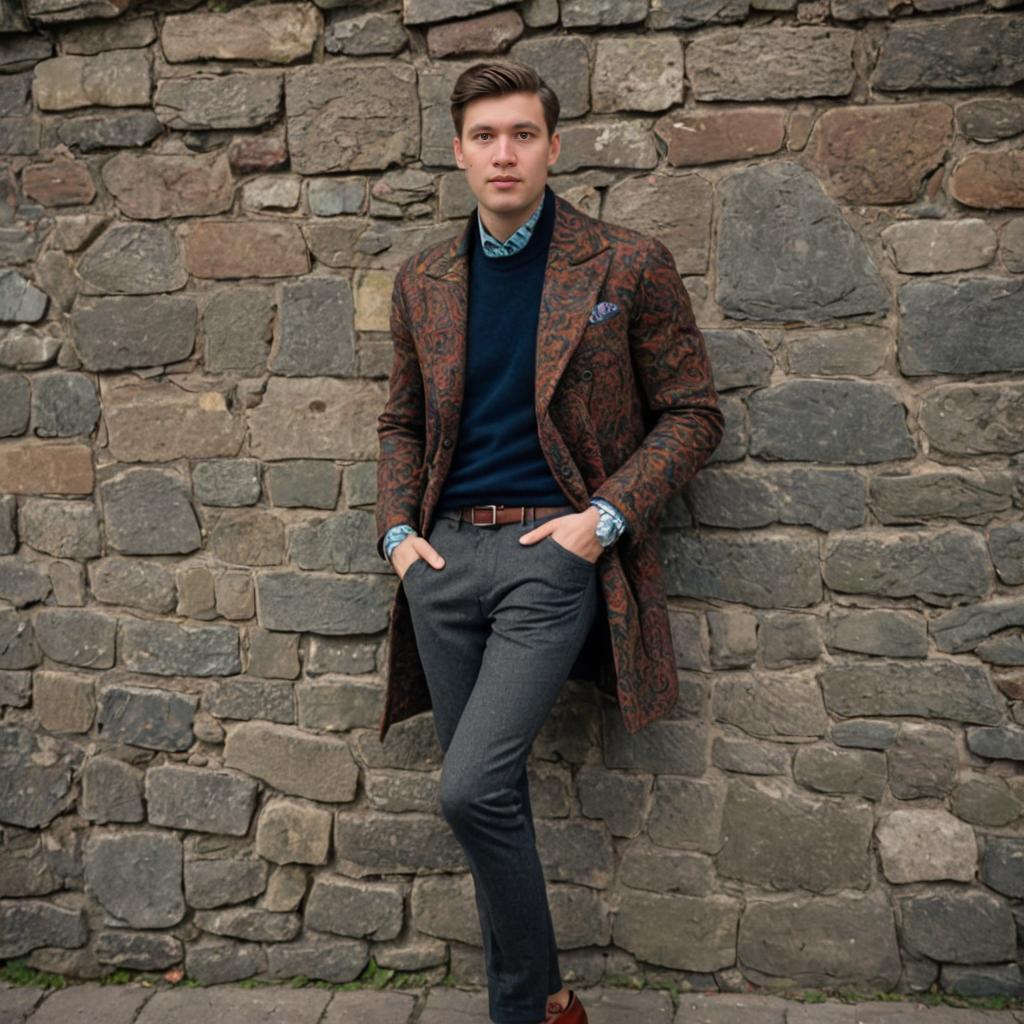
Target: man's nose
column 505, row 153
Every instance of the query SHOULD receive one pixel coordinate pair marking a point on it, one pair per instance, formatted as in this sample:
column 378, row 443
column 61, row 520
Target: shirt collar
column 492, row 247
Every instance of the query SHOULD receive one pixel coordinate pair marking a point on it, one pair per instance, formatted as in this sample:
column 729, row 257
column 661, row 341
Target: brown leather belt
column 498, row 515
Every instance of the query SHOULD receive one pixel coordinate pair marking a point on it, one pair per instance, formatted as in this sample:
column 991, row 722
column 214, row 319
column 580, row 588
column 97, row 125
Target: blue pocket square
column 603, row 311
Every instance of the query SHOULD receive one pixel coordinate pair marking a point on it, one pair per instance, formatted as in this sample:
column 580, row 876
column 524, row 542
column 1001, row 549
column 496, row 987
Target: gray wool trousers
column 497, row 630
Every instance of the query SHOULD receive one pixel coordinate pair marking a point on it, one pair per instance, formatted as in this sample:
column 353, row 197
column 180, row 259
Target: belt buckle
column 494, row 515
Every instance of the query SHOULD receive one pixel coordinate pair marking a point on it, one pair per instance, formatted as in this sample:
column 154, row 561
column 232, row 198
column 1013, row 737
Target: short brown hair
column 495, row 78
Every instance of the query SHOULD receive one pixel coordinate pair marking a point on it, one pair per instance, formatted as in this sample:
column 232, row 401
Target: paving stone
column 230, row 1004
column 83, row 1004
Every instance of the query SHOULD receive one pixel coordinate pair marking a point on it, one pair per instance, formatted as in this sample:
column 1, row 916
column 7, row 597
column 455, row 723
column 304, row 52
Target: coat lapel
column 577, row 263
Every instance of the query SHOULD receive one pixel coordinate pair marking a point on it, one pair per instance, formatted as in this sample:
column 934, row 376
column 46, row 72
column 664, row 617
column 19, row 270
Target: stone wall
column 203, row 210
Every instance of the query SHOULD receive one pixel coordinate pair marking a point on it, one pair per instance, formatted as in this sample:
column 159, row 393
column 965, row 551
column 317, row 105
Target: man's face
column 506, row 137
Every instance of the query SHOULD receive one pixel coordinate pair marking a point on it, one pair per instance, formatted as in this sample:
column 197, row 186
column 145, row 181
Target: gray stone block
column 777, row 225
column 149, row 512
column 242, row 699
column 317, row 336
column 238, row 328
column 969, row 927
column 810, row 940
column 77, row 636
column 293, row 761
column 28, row 924
column 227, row 482
column 15, row 404
column 168, row 649
column 136, row 951
column 122, row 333
column 217, row 880
column 938, row 568
column 133, row 583
column 303, row 483
column 133, row 259
column 111, row 791
column 114, row 130
column 951, row 53
column 356, row 909
column 331, row 106
column 200, row 799
column 136, row 877
column 64, row 405
column 298, row 602
column 59, row 527
column 147, row 717
column 931, row 689
column 19, row 300
column 806, row 842
column 36, row 774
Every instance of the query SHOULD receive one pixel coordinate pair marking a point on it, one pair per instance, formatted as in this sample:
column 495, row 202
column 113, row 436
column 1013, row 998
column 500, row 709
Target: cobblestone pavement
column 230, row 1004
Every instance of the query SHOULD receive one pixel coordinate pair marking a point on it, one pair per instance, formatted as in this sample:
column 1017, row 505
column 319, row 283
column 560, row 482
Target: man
column 549, row 392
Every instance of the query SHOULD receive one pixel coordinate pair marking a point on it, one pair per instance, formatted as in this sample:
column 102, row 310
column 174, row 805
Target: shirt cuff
column 620, row 520
column 395, row 536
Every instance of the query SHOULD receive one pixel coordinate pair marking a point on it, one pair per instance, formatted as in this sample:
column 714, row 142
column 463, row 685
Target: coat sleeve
column 400, row 428
column 672, row 368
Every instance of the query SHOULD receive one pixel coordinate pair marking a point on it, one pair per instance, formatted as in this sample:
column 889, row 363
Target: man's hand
column 409, row 550
column 575, row 531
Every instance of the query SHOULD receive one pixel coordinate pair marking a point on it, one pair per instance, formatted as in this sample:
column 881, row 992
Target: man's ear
column 555, row 147
column 457, row 150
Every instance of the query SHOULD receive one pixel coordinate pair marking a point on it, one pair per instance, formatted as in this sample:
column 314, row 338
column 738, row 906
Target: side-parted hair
column 495, row 78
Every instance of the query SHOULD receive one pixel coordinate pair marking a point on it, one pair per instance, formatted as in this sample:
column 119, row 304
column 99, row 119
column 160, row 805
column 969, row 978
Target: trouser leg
column 538, row 602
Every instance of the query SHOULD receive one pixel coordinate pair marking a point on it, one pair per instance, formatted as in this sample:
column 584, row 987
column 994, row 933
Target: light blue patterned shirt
column 492, row 247
column 515, row 241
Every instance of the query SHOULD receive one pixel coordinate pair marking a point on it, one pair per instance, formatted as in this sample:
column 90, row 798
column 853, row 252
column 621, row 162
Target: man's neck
column 506, row 228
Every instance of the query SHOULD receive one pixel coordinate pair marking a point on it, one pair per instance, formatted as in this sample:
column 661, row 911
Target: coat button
column 586, row 374
column 447, row 442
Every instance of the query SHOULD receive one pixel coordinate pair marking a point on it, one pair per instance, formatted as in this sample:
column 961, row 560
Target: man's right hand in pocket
column 409, row 550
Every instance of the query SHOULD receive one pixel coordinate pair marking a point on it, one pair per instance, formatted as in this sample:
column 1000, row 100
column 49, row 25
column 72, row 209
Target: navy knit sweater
column 498, row 458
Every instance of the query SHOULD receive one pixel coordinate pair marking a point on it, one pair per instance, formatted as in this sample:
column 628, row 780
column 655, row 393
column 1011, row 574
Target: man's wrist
column 610, row 522
column 395, row 536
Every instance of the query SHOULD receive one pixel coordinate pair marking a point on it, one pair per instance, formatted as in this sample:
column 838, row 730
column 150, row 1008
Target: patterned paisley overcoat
column 626, row 410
